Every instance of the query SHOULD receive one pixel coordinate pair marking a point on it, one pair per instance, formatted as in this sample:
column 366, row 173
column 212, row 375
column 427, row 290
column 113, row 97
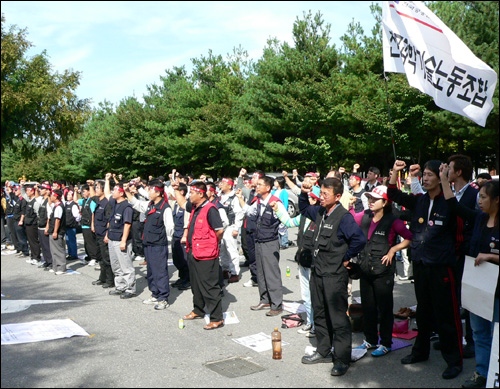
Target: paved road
column 132, row 345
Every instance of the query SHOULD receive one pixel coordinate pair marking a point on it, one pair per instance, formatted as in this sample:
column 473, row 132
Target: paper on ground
column 39, row 331
column 294, row 307
column 229, row 318
column 478, row 288
column 258, row 342
column 71, row 272
column 10, row 306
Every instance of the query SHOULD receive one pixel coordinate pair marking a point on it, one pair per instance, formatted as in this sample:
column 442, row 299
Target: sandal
column 192, row 316
column 214, row 324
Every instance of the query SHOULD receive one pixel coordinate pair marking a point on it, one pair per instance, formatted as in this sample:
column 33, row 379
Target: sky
column 121, row 47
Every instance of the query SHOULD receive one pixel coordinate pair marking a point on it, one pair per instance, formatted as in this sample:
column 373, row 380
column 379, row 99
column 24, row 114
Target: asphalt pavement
column 132, row 345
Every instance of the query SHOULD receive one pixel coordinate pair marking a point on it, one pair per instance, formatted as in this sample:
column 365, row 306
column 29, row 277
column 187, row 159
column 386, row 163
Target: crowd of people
column 347, row 229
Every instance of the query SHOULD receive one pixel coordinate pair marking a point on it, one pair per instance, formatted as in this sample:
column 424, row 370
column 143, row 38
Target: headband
column 228, row 181
column 45, row 186
column 211, row 189
column 195, row 189
column 119, row 189
column 55, row 194
column 157, row 188
column 356, row 177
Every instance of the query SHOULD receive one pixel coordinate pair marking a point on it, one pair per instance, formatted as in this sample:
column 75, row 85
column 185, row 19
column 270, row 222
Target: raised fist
column 414, row 170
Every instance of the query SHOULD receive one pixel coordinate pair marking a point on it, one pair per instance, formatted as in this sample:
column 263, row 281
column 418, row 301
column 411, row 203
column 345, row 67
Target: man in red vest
column 202, row 245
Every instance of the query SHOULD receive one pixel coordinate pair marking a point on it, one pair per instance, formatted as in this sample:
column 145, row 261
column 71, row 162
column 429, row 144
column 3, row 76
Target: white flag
column 435, row 60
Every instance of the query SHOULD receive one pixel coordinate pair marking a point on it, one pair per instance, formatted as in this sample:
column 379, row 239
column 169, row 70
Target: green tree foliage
column 305, row 104
column 39, row 106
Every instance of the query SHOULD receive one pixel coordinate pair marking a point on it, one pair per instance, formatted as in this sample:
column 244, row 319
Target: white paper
column 258, row 342
column 10, row 306
column 356, row 300
column 229, row 318
column 39, row 331
column 478, row 288
column 294, row 307
column 492, row 381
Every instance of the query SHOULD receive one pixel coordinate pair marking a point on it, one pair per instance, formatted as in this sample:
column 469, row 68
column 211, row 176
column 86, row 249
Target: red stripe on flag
column 417, row 20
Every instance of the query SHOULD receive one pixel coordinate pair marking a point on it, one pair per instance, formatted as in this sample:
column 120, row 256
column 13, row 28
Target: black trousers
column 179, row 257
column 32, row 234
column 22, row 239
column 459, row 272
column 329, row 302
column 90, row 243
column 249, row 239
column 435, row 290
column 106, row 275
column 45, row 244
column 377, row 304
column 11, row 225
column 4, row 232
column 205, row 287
column 137, row 246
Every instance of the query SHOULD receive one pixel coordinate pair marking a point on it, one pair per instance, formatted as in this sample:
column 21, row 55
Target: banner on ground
column 435, row 60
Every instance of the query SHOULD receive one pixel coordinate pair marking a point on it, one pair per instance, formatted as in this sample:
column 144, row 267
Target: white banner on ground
column 478, row 288
column 435, row 60
column 39, row 331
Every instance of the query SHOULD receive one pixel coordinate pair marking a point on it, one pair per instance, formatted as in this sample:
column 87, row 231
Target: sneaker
column 380, row 351
column 311, row 334
column 83, row 261
column 365, row 346
column 250, row 283
column 58, row 273
column 97, row 267
column 28, row 260
column 162, row 305
column 403, row 278
column 93, row 262
column 9, row 252
column 476, row 381
column 139, row 258
column 52, row 271
column 305, row 329
column 35, row 261
column 151, row 301
column 4, row 247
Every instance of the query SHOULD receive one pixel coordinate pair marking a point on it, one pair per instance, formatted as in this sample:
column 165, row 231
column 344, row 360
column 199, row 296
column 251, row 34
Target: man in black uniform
column 20, row 230
column 31, row 223
column 337, row 239
column 101, row 217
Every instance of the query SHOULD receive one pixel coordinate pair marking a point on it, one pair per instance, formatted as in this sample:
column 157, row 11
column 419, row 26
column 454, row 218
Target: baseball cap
column 379, row 192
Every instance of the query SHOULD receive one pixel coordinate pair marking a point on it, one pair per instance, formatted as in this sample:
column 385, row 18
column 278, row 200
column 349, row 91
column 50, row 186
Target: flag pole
column 390, row 119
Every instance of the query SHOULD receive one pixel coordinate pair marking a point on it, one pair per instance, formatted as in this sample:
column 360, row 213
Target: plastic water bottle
column 181, row 323
column 288, row 271
column 276, row 338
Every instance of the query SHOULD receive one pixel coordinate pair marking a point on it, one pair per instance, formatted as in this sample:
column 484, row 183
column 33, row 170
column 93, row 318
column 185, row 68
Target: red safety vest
column 205, row 244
